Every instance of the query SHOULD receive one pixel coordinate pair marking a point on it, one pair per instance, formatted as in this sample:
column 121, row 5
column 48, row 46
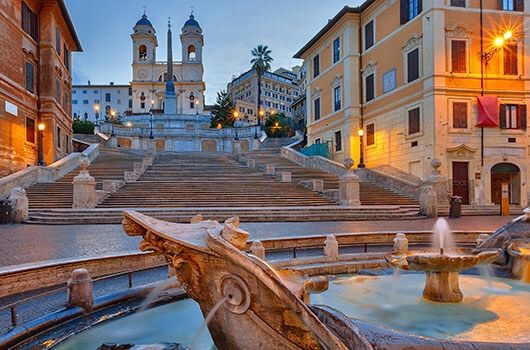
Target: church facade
column 149, row 76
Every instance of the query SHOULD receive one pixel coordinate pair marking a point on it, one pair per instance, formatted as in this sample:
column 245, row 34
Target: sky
column 231, row 28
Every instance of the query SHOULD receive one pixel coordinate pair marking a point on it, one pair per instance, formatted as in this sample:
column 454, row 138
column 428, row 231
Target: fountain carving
column 441, row 267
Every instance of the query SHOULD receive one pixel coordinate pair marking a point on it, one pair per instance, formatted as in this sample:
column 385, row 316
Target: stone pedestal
column 317, row 185
column 442, row 287
column 236, row 147
column 349, row 189
column 271, row 169
column 258, row 249
column 80, row 290
column 428, row 202
column 170, row 103
column 151, row 146
column 401, row 244
column 19, row 204
column 113, row 141
column 84, row 195
column 439, row 183
column 331, row 247
column 286, row 176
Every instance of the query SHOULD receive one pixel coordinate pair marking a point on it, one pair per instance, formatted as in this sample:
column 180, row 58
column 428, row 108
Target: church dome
column 192, row 22
column 144, row 21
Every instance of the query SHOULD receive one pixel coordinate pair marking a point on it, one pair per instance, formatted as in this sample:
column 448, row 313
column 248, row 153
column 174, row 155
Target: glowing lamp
column 498, row 41
column 508, row 35
column 218, row 126
column 276, row 124
column 261, row 113
column 128, row 124
column 96, row 107
column 113, row 113
column 41, row 126
column 236, row 114
column 360, row 132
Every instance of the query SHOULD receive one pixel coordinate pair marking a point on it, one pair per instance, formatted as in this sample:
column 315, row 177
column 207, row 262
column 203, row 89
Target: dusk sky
column 231, row 29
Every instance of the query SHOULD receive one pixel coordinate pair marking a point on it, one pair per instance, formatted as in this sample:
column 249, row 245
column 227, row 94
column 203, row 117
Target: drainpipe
column 40, row 145
column 361, row 112
column 481, row 84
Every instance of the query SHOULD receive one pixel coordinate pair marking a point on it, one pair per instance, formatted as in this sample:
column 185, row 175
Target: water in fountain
column 442, row 239
column 211, row 314
column 156, row 291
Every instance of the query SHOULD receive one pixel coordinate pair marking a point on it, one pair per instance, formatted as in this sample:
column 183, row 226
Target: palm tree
column 261, row 62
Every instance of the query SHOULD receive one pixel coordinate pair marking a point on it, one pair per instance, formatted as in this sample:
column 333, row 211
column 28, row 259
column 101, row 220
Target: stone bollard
column 331, row 247
column 84, row 187
column 482, row 238
column 271, row 169
column 439, row 183
column 196, row 219
column 286, row 176
column 428, row 202
column 251, row 163
column 317, row 185
column 20, row 204
column 80, row 290
column 401, row 244
column 349, row 187
column 257, row 249
column 236, row 147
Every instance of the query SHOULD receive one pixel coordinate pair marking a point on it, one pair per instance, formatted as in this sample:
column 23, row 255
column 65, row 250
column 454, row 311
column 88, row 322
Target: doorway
column 506, row 172
column 461, row 181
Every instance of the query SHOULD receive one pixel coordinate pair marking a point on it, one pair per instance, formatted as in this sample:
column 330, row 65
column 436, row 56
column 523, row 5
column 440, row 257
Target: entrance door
column 505, row 172
column 461, row 181
column 496, row 186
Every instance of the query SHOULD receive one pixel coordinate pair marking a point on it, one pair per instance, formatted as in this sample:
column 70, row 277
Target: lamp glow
column 508, row 35
column 360, row 132
column 96, row 107
column 41, row 126
column 498, row 41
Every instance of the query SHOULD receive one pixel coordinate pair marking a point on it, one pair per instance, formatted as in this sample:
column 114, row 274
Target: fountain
column 442, row 266
column 520, row 252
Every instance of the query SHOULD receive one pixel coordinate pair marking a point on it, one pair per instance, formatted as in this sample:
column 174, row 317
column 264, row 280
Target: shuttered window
column 58, row 41
column 316, row 108
column 369, row 86
column 30, row 77
column 30, row 22
column 369, row 35
column 337, row 98
column 30, row 130
column 510, row 59
column 459, row 115
column 58, row 91
column 316, row 66
column 338, row 141
column 413, row 65
column 336, row 50
column 414, row 121
column 458, row 3
column 513, row 116
column 370, row 134
column 408, row 9
column 66, row 53
column 458, row 56
column 511, row 5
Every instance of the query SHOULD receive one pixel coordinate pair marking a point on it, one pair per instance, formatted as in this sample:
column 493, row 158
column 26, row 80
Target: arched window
column 192, row 54
column 142, row 53
column 192, row 101
column 163, row 77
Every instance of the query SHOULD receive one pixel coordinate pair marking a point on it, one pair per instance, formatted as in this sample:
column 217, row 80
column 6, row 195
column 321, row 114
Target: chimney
column 89, row 82
column 111, row 83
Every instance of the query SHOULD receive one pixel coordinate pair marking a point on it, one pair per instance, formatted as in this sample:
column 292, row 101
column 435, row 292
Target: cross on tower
column 192, row 10
column 144, row 10
column 169, row 22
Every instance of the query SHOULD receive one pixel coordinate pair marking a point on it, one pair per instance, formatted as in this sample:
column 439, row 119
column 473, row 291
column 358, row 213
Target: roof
column 99, row 86
column 70, row 25
column 143, row 22
column 192, row 22
column 345, row 10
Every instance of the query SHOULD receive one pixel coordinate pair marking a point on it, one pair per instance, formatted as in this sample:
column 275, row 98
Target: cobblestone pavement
column 22, row 244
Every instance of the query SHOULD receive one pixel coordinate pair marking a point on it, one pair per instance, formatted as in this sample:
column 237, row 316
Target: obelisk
column 170, row 99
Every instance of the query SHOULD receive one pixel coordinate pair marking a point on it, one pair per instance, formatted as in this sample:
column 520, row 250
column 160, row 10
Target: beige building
column 279, row 90
column 410, row 74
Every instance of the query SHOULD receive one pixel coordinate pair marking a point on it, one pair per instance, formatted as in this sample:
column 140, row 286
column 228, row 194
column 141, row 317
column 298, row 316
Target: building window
column 337, row 98
column 316, row 107
column 130, row 103
column 369, row 35
column 57, row 90
column 369, row 87
column 510, row 59
column 130, row 91
column 318, row 141
column 30, row 130
column 85, row 102
column 414, row 121
column 459, row 115
column 30, row 22
column 511, row 5
column 30, row 77
column 316, row 66
column 338, row 141
column 336, row 50
column 58, row 40
column 370, row 134
column 513, row 116
column 66, row 53
column 409, row 9
column 142, row 105
column 192, row 55
column 142, row 53
column 458, row 3
column 458, row 56
column 58, row 138
column 107, row 97
column 74, row 102
column 413, row 65
column 389, row 81
column 86, row 116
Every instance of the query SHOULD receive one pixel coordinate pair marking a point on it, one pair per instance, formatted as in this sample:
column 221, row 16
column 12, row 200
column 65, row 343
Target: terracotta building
column 420, row 80
column 37, row 38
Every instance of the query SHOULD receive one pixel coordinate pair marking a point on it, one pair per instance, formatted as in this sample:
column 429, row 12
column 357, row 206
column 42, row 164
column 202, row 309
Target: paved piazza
column 23, row 244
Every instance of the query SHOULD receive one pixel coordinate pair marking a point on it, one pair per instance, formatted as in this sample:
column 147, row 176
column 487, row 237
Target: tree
column 261, row 62
column 277, row 125
column 83, row 126
column 223, row 111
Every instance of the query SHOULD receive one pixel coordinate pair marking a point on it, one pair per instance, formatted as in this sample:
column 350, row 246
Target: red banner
column 488, row 111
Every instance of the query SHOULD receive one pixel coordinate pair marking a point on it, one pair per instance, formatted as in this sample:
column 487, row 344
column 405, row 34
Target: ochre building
column 441, row 79
column 37, row 39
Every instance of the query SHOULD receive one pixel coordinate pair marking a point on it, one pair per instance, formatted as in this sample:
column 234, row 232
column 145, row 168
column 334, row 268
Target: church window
column 192, row 55
column 142, row 53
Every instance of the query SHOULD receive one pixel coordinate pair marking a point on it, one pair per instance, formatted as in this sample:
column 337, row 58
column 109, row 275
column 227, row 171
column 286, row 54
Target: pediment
column 461, row 151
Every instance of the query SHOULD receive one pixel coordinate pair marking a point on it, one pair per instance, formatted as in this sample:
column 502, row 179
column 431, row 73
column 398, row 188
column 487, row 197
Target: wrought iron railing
column 317, row 149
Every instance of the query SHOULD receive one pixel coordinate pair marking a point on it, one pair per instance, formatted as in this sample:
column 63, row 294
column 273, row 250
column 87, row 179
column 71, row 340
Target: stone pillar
column 349, row 187
column 255, row 144
column 401, row 244
column 428, row 202
column 271, row 169
column 236, row 147
column 258, row 249
column 84, row 187
column 286, row 176
column 438, row 182
column 331, row 247
column 80, row 290
column 317, row 185
column 20, row 204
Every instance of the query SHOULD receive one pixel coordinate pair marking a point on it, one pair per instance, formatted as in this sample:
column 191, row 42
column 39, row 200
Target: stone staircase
column 109, row 165
column 370, row 194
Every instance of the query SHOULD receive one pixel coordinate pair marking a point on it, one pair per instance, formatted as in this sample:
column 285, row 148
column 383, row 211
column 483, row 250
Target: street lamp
column 236, row 116
column 151, row 137
column 41, row 126
column 498, row 43
column 360, row 132
column 96, row 109
column 261, row 113
column 113, row 115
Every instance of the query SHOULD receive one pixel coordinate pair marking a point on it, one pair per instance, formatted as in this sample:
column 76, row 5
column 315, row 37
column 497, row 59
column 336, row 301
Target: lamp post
column 96, row 109
column 236, row 116
column 41, row 126
column 151, row 125
column 360, row 132
column 197, row 106
column 261, row 113
column 113, row 115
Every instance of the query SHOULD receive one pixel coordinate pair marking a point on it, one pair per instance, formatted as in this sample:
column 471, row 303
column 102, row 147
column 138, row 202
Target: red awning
column 488, row 111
